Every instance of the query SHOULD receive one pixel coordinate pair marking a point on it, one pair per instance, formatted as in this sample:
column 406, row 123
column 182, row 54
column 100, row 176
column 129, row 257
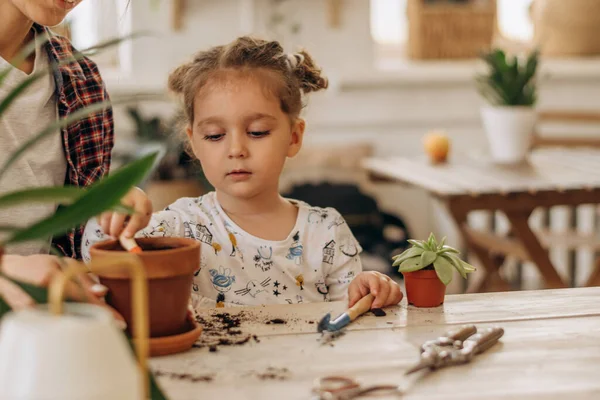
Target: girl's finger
column 395, row 295
column 116, row 224
column 354, row 295
column 374, row 284
column 136, row 223
column 384, row 291
column 104, row 221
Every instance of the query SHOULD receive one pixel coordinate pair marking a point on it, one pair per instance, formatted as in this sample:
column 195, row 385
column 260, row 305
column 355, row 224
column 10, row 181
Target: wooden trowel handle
column 361, row 307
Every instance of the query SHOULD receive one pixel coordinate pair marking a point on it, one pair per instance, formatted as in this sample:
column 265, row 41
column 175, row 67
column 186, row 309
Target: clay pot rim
column 156, row 262
column 188, row 243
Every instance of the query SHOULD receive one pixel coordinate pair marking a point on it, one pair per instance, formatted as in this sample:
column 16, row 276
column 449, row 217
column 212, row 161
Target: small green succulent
column 427, row 253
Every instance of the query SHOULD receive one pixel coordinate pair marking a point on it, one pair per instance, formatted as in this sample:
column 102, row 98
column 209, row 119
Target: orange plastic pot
column 424, row 288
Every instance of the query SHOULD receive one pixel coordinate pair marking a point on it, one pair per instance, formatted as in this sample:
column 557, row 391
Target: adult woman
column 78, row 155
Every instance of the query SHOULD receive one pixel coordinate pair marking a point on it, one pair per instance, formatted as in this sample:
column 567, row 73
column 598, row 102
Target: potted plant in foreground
column 509, row 118
column 428, row 267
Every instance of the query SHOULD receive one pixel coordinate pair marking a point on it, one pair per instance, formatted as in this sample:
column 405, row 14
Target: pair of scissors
column 343, row 388
column 456, row 347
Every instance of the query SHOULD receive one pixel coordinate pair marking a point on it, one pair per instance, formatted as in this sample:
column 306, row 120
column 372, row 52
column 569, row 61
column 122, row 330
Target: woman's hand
column 386, row 291
column 39, row 270
column 115, row 224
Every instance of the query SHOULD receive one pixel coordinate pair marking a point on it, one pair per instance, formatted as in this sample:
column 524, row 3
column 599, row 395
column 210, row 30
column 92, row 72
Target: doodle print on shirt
column 159, row 229
column 336, row 222
column 300, row 281
column 346, row 278
column 263, row 257
column 222, row 281
column 235, row 250
column 316, row 216
column 203, row 234
column 299, row 300
column 348, row 247
column 323, row 289
column 329, row 252
column 197, row 272
column 253, row 288
column 296, row 250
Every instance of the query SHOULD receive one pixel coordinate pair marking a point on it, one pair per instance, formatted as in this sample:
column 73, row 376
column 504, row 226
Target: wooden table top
column 557, row 169
column 550, row 349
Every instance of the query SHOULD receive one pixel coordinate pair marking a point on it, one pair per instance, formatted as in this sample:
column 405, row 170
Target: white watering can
column 75, row 351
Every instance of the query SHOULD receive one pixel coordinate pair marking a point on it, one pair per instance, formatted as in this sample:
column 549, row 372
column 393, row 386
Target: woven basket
column 567, row 28
column 445, row 30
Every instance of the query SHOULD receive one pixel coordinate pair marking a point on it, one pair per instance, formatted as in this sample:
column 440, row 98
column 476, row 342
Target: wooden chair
column 571, row 240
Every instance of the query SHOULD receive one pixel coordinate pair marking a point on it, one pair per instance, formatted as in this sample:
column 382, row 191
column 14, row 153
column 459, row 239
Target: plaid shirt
column 89, row 141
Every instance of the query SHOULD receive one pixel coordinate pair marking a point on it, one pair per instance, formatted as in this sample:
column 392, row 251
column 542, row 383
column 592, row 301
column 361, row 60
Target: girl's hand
column 386, row 291
column 39, row 270
column 113, row 223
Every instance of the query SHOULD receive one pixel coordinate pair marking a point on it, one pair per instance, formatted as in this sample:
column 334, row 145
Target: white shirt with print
column 315, row 263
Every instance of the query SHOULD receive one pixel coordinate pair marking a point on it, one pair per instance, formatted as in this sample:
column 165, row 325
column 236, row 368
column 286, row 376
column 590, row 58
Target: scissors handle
column 462, row 333
column 483, row 340
column 456, row 336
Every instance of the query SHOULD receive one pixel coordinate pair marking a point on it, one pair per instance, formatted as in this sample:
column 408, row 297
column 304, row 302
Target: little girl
column 242, row 104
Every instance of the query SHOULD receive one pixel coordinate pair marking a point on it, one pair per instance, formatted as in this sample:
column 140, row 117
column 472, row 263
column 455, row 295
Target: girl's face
column 46, row 12
column 241, row 136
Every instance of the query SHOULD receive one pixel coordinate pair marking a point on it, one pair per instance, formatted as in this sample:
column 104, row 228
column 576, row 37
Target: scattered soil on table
column 328, row 338
column 222, row 329
column 272, row 373
column 225, row 329
column 185, row 377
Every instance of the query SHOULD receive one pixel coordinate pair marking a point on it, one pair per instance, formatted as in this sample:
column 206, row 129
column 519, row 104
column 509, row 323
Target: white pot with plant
column 510, row 116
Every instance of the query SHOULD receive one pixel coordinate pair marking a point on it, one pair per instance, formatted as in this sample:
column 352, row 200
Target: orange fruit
column 437, row 146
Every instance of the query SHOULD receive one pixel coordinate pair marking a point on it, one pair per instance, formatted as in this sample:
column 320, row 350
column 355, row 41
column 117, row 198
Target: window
column 389, row 24
column 95, row 21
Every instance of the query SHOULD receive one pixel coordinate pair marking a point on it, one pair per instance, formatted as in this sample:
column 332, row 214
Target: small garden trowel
column 361, row 307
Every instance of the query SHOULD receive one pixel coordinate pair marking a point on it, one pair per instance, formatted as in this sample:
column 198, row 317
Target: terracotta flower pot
column 170, row 265
column 424, row 288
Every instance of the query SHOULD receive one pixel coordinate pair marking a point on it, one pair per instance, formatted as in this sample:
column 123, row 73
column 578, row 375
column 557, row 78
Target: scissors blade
column 417, row 367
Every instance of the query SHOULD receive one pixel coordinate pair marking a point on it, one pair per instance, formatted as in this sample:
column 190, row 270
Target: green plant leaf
column 443, row 269
column 508, row 81
column 428, row 257
column 100, row 197
column 431, row 242
column 448, row 249
column 457, row 265
column 9, row 228
column 155, row 391
column 410, row 265
column 409, row 253
column 441, row 244
column 417, row 243
column 467, row 267
column 49, row 194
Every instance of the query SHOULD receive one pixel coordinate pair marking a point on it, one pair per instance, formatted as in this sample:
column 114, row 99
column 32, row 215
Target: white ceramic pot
column 79, row 355
column 509, row 130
